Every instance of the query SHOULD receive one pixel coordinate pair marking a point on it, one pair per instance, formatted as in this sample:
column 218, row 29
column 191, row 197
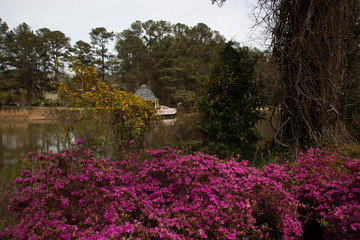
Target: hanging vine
column 310, row 41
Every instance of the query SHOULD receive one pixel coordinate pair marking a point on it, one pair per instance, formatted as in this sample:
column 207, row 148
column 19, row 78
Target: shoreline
column 27, row 113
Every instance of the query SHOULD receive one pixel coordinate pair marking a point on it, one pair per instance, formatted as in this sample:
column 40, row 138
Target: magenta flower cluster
column 328, row 188
column 168, row 195
column 150, row 195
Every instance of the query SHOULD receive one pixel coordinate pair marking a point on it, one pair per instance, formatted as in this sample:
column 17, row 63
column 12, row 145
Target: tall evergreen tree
column 23, row 53
column 230, row 103
column 154, row 33
column 132, row 52
column 82, row 53
column 100, row 37
column 3, row 32
column 166, row 57
column 57, row 46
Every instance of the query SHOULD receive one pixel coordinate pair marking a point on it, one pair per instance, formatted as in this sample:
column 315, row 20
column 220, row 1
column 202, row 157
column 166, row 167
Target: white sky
column 76, row 18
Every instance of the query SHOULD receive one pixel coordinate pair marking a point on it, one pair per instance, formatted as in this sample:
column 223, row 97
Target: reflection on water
column 18, row 138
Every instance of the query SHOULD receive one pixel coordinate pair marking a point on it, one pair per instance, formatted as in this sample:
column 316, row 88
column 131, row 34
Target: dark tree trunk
column 309, row 40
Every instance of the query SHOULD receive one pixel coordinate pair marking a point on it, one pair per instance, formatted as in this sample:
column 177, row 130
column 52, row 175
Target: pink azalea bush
column 167, row 195
column 328, row 188
column 151, row 195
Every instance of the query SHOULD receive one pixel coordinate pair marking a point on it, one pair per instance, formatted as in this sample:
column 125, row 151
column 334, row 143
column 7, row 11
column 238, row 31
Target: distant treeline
column 170, row 58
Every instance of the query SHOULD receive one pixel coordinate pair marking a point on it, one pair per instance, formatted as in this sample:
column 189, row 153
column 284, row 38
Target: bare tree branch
column 219, row 2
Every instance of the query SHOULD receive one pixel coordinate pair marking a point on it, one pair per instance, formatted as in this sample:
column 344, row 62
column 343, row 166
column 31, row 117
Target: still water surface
column 18, row 138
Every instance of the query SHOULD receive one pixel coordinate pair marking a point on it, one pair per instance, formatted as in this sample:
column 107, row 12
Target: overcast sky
column 76, row 18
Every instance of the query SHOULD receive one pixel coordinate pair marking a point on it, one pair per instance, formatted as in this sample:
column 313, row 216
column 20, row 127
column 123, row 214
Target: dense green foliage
column 230, row 103
column 29, row 60
column 314, row 90
column 170, row 59
column 83, row 53
column 99, row 39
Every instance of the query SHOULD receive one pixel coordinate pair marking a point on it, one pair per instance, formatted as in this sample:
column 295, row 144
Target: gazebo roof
column 146, row 93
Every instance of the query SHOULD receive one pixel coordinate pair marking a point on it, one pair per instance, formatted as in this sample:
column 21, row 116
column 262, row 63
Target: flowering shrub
column 108, row 114
column 149, row 195
column 328, row 186
column 167, row 195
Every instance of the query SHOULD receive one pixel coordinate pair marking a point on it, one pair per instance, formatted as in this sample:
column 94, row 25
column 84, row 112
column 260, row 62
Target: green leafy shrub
column 230, row 103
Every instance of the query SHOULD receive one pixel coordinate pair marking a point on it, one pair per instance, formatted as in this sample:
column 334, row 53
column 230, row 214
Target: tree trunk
column 150, row 73
column 309, row 39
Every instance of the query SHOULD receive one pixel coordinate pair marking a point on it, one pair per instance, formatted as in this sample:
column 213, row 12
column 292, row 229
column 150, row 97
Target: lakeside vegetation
column 119, row 180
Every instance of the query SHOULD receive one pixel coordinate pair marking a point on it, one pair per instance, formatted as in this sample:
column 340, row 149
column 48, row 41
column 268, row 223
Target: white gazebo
column 147, row 95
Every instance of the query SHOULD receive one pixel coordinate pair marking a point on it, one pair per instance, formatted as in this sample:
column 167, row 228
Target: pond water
column 18, row 138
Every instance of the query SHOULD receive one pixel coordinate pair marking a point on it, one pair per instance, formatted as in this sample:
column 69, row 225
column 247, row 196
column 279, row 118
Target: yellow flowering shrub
column 119, row 116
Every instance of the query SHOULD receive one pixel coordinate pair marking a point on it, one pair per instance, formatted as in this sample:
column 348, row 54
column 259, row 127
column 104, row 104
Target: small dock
column 166, row 111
